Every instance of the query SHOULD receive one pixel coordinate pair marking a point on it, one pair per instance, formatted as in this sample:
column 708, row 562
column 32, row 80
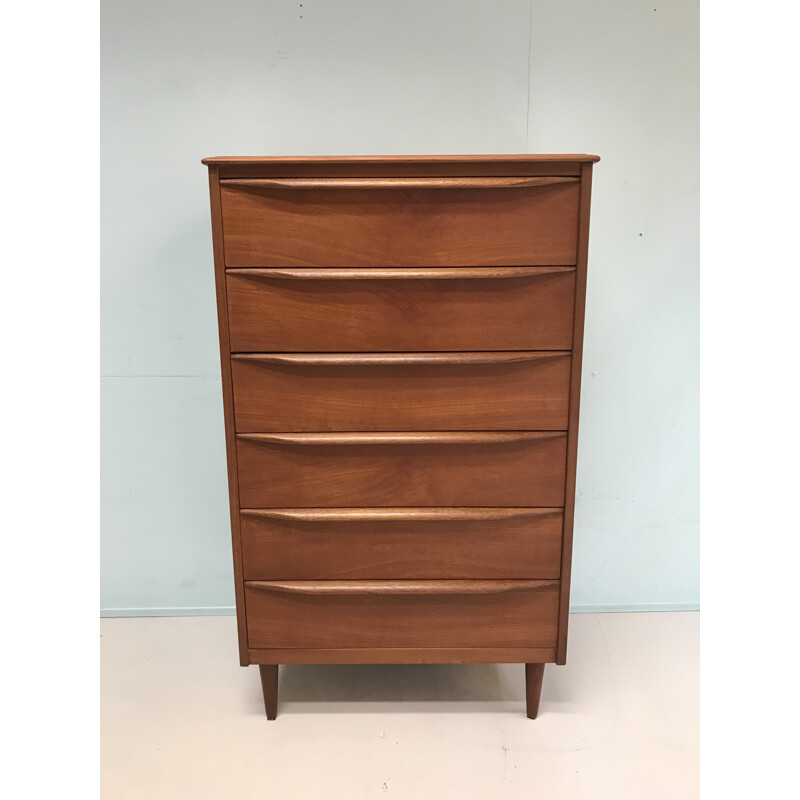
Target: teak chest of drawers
column 401, row 347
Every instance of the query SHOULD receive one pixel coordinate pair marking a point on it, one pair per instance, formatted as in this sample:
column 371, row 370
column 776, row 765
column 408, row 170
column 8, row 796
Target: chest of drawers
column 401, row 348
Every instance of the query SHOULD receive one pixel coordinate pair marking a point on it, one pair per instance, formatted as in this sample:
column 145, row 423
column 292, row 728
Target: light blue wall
column 183, row 80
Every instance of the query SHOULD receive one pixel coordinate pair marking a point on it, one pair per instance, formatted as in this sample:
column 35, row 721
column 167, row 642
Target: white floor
column 181, row 719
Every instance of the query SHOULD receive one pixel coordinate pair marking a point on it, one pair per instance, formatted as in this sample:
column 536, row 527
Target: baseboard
column 632, row 607
column 223, row 611
column 170, row 611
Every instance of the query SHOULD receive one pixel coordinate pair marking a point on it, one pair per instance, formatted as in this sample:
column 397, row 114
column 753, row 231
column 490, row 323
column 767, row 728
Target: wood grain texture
column 458, row 469
column 227, row 398
column 401, row 392
column 361, row 310
column 402, row 543
column 337, row 227
column 574, row 409
column 393, row 273
column 400, row 514
column 534, row 674
column 509, row 182
column 460, row 359
column 405, row 437
column 525, row 617
column 403, row 655
column 269, row 687
column 256, row 169
column 396, row 166
column 400, row 588
column 401, row 340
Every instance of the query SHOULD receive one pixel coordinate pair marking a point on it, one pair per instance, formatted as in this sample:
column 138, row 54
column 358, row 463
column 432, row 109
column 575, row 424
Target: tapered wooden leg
column 533, row 688
column 269, row 685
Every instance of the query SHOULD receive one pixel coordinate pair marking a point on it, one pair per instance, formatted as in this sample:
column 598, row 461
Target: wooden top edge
column 431, row 159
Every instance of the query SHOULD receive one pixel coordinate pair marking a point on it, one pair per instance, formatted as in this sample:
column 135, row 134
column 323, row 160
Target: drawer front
column 401, row 391
column 511, row 308
column 401, row 469
column 335, row 614
column 330, row 223
column 407, row 543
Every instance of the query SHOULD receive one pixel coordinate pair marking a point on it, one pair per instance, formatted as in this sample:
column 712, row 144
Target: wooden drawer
column 339, row 614
column 356, row 470
column 379, row 310
column 414, row 222
column 401, row 391
column 407, row 543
